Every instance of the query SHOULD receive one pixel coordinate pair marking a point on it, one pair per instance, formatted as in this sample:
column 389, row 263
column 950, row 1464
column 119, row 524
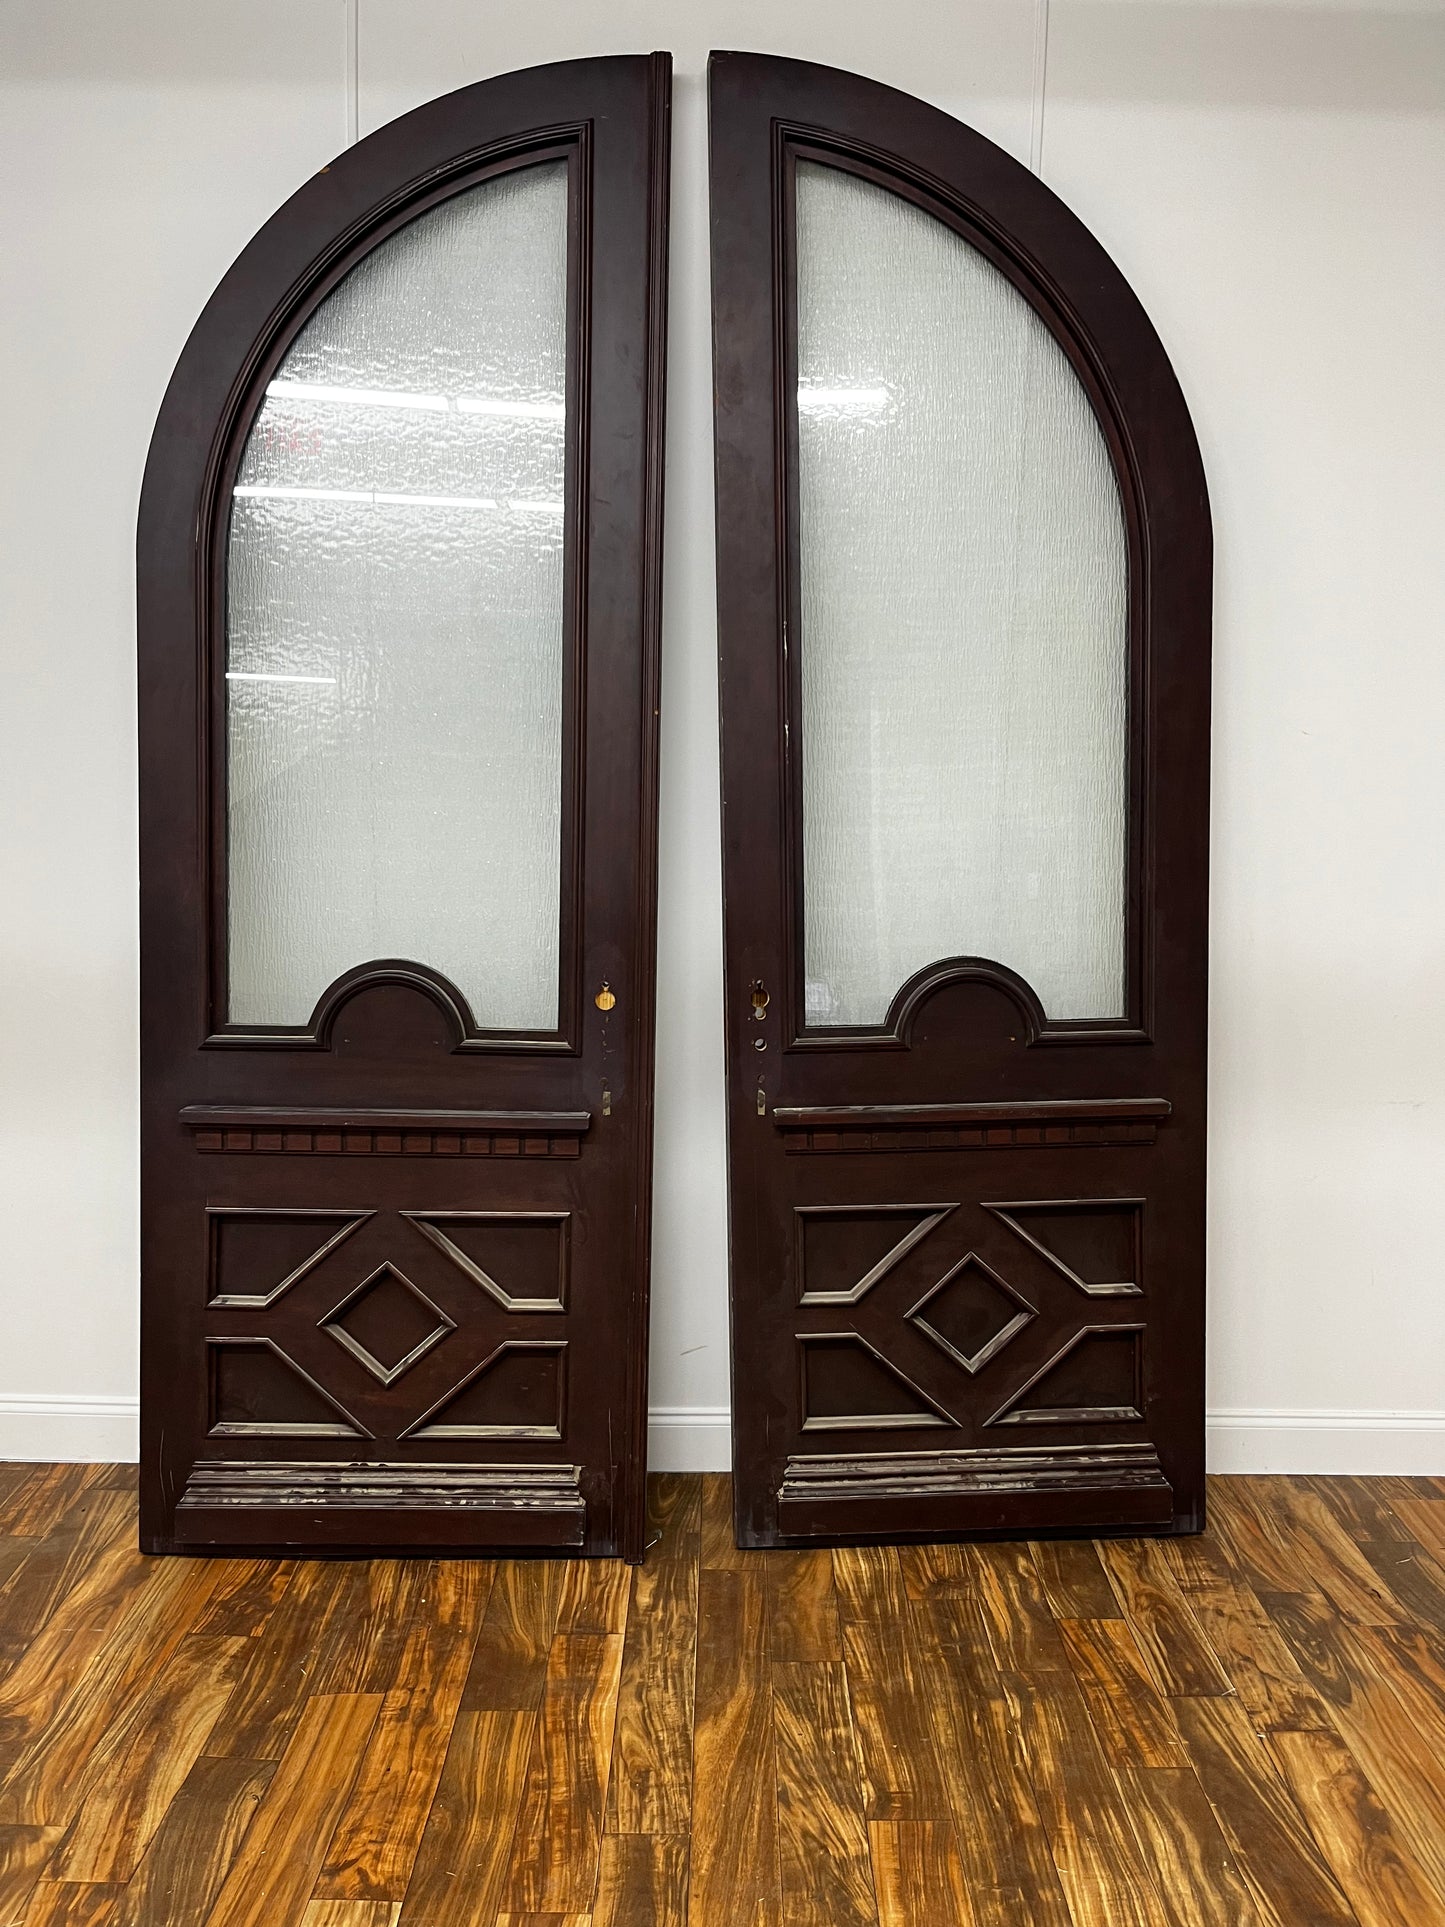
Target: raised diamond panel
column 972, row 1313
column 387, row 1324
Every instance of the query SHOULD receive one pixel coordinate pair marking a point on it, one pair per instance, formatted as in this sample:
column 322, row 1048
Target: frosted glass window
column 395, row 598
column 964, row 652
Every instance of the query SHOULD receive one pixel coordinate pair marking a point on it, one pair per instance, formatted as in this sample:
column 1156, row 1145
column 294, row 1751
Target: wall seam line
column 353, row 71
column 1040, row 82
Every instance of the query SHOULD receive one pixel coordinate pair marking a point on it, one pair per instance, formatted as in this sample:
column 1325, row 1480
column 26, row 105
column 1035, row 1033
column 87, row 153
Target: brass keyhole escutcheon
column 760, row 1000
column 605, row 999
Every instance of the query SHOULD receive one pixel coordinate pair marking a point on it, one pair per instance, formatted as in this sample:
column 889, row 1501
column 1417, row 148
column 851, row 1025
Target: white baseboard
column 698, row 1438
column 684, row 1438
column 689, row 1438
column 1325, row 1439
column 680, row 1438
column 58, row 1426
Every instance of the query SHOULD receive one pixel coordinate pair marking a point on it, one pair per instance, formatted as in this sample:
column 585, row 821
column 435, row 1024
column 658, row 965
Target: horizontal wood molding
column 977, row 1490
column 387, row 1133
column 246, row 1501
column 953, row 1127
column 304, row 1482
column 1006, row 1469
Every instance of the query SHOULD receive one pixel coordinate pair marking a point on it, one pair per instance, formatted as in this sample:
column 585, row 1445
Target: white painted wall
column 1270, row 177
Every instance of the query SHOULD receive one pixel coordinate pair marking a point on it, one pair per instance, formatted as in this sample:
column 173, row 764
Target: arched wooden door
column 399, row 580
column 964, row 593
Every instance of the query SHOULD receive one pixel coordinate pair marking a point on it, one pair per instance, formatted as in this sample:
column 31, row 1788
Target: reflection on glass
column 394, row 681
column 964, row 590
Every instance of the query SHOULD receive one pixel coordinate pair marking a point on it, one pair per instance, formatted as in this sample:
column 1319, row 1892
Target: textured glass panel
column 964, row 654
column 394, row 681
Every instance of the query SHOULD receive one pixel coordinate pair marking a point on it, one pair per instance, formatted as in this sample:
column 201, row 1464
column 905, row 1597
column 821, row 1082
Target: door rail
column 386, row 1133
column 957, row 1127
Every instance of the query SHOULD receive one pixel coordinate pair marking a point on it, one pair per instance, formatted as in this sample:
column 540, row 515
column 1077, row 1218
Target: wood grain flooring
column 1241, row 1730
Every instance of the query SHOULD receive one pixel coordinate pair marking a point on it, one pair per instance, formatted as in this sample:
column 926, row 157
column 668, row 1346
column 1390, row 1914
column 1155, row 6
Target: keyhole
column 604, row 999
column 760, row 1001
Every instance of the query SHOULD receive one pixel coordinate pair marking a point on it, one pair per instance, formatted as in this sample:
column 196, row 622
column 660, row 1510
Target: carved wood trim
column 1013, row 1411
column 896, row 1030
column 809, row 1342
column 929, row 1217
column 219, row 1214
column 870, row 1477
column 430, row 1223
column 334, row 1324
column 974, row 1361
column 472, row 1134
column 318, row 1030
column 394, row 1487
column 282, row 1506
column 343, row 1426
column 961, row 1127
column 1116, row 1288
column 432, row 1423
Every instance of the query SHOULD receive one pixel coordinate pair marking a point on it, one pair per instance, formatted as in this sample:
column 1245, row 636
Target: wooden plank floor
column 1243, row 1730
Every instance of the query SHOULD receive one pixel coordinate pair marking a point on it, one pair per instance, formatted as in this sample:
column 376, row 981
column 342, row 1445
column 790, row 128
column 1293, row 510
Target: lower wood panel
column 1241, row 1730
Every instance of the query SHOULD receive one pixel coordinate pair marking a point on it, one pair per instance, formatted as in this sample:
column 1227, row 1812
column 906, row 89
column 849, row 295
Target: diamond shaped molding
column 387, row 1318
column 972, row 1313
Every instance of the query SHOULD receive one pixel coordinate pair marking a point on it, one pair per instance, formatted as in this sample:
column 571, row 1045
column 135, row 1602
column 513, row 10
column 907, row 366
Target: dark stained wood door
column 399, row 580
column 964, row 569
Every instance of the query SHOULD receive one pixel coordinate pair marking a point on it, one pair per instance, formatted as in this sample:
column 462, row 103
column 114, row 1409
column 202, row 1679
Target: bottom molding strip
column 241, row 1501
column 985, row 1489
column 413, row 1486
column 1019, row 1468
